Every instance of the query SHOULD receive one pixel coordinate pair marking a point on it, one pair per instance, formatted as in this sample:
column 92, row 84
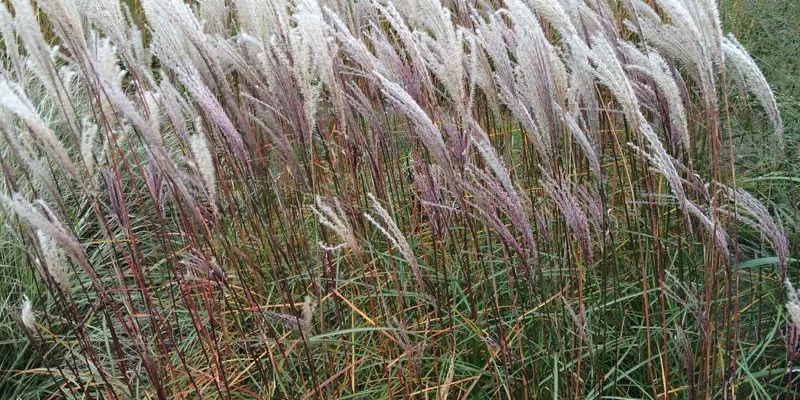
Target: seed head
column 26, row 314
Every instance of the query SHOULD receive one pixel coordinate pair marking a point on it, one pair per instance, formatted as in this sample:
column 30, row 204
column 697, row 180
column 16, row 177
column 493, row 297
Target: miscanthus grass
column 26, row 314
column 386, row 199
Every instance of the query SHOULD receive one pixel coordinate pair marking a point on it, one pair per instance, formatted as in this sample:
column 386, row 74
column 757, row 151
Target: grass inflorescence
column 377, row 199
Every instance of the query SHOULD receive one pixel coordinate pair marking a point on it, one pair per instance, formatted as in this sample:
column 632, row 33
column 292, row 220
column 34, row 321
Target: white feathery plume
column 204, row 162
column 554, row 13
column 611, row 74
column 496, row 38
column 173, row 105
column 308, row 315
column 395, row 236
column 88, row 137
column 196, row 58
column 522, row 92
column 231, row 57
column 409, row 39
column 304, row 71
column 55, row 241
column 431, row 16
column 177, row 37
column 682, row 18
column 661, row 161
column 109, row 17
column 763, row 221
column 581, row 86
column 392, row 63
column 215, row 111
column 20, row 147
column 643, row 10
column 705, row 13
column 261, row 19
column 472, row 64
column 511, row 197
column 69, row 76
column 54, row 258
column 10, row 41
column 104, row 67
column 26, row 313
column 541, row 76
column 106, row 62
column 485, row 148
column 213, row 14
column 792, row 304
column 426, row 130
column 40, row 58
column 151, row 106
column 48, row 224
column 316, row 51
column 14, row 99
column 334, row 218
column 441, row 45
column 66, row 20
column 750, row 77
column 353, row 46
column 481, row 74
column 681, row 40
column 656, row 67
column 128, row 109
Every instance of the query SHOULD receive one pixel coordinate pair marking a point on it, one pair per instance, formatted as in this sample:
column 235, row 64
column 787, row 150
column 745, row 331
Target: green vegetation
column 321, row 199
column 769, row 30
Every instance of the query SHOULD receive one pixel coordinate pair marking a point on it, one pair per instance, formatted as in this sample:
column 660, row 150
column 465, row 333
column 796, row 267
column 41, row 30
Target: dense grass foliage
column 770, row 29
column 395, row 199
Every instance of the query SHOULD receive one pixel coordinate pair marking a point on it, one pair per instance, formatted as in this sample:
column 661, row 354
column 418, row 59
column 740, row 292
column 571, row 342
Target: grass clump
column 318, row 199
